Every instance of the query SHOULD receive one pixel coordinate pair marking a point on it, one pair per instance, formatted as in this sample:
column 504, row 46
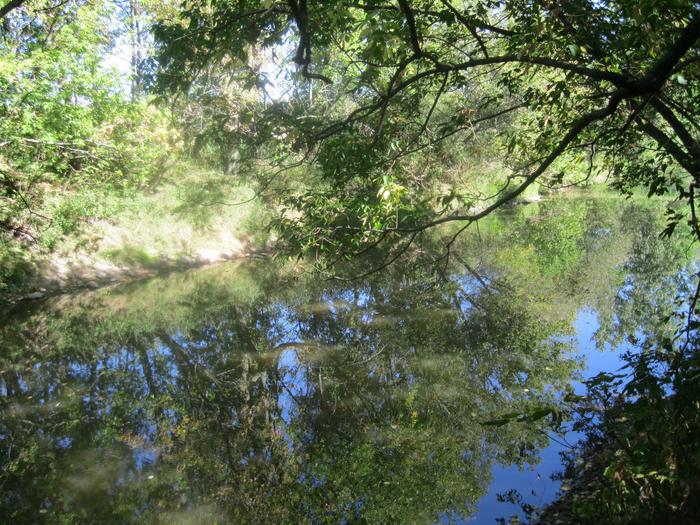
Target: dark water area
column 259, row 393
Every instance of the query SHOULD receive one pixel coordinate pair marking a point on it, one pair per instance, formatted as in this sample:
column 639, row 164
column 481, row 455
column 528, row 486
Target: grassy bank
column 190, row 215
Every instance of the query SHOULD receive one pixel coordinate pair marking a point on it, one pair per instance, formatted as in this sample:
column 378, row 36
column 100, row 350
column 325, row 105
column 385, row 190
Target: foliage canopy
column 378, row 85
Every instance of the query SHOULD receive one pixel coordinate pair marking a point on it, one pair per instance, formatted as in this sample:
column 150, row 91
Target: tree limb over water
column 403, row 77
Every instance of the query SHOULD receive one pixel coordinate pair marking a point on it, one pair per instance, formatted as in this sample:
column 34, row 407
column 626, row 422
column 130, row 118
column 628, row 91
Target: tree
column 9, row 6
column 66, row 125
column 613, row 83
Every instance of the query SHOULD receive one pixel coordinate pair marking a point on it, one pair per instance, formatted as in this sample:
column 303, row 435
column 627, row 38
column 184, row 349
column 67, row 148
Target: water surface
column 257, row 393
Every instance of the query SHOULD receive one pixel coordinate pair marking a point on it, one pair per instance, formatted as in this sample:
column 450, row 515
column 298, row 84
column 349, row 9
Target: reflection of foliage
column 577, row 245
column 653, row 288
column 247, row 394
column 640, row 461
column 320, row 405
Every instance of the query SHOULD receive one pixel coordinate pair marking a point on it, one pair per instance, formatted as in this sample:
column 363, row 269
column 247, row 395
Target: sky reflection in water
column 247, row 394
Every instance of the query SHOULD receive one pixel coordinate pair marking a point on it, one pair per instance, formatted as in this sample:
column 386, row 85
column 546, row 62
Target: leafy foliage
column 608, row 84
column 640, row 459
column 71, row 138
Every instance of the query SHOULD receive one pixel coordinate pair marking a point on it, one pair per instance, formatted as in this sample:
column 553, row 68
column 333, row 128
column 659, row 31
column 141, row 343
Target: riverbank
column 66, row 275
column 193, row 217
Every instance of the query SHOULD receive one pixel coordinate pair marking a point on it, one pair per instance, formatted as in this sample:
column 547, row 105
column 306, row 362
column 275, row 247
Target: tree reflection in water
column 245, row 394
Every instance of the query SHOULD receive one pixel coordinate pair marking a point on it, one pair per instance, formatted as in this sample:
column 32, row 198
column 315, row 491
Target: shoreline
column 64, row 276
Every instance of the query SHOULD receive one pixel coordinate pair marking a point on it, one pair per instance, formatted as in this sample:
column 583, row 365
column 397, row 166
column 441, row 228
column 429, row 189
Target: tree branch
column 577, row 127
column 303, row 53
column 668, row 145
column 385, row 264
column 663, row 68
column 465, row 22
column 677, row 126
column 9, row 6
column 412, row 31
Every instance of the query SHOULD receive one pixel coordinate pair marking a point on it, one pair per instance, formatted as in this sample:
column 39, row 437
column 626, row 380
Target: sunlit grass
column 194, row 214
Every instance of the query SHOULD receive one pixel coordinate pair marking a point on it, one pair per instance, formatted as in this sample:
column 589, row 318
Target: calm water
column 257, row 393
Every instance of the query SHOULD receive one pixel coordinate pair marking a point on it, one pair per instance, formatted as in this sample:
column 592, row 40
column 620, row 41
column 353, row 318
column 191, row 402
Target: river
column 258, row 392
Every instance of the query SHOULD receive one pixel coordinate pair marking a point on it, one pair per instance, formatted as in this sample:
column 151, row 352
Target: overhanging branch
column 9, row 6
column 303, row 54
column 576, row 128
